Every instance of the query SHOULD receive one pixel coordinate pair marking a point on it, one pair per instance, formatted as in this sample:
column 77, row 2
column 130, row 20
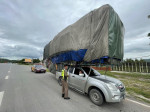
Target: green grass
column 139, row 75
column 107, row 73
column 136, row 83
column 139, row 91
column 143, row 99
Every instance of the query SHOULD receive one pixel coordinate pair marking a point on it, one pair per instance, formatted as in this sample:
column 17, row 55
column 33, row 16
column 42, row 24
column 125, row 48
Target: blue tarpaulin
column 74, row 56
column 70, row 56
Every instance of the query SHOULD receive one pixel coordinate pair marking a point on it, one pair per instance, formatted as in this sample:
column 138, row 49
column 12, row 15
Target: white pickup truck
column 99, row 87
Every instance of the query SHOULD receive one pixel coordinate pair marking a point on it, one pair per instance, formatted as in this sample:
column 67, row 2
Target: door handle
column 73, row 76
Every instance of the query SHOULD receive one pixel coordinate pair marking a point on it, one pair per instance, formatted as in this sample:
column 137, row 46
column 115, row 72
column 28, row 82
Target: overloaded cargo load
column 97, row 36
column 46, row 51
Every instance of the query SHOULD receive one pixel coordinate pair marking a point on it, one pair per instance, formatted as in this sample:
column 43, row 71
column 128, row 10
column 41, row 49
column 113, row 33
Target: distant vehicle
column 99, row 87
column 38, row 69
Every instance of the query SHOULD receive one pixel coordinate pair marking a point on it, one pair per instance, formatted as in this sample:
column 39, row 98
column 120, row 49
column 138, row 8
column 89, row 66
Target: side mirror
column 81, row 75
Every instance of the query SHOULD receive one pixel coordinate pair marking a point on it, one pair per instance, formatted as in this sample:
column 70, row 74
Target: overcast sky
column 26, row 26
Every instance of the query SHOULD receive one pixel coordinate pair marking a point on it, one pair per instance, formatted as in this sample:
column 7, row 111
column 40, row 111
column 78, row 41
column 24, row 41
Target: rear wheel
column 60, row 81
column 96, row 96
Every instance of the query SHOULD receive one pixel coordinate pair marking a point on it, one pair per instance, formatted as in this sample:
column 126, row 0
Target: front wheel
column 60, row 81
column 96, row 96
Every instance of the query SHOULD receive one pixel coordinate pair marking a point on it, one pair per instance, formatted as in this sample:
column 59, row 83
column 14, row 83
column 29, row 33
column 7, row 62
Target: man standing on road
column 65, row 82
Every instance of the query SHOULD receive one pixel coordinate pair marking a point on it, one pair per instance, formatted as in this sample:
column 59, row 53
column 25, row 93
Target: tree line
column 131, row 61
column 2, row 60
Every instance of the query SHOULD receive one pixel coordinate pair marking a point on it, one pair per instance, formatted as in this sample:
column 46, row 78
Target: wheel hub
column 95, row 97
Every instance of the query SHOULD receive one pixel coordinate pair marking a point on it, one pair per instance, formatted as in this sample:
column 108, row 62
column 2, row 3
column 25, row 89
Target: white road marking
column 9, row 69
column 1, row 97
column 7, row 77
column 138, row 103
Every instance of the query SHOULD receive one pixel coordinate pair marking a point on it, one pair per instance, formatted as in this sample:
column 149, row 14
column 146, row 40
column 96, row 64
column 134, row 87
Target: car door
column 78, row 81
column 71, row 75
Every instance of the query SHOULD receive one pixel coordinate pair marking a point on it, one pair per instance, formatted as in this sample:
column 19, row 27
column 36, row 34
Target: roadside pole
column 146, row 67
column 136, row 66
column 125, row 67
column 128, row 67
column 140, row 67
column 132, row 67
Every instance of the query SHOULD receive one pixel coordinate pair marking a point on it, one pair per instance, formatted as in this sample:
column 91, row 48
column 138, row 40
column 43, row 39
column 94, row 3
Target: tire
column 60, row 81
column 96, row 97
column 34, row 71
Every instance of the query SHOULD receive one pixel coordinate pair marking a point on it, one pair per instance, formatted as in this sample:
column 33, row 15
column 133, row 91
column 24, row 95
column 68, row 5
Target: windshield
column 94, row 72
column 38, row 66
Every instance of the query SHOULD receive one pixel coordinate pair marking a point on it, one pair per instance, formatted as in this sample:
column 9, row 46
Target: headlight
column 111, row 86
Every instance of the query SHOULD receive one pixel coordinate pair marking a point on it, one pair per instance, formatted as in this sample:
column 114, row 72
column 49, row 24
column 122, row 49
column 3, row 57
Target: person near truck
column 65, row 82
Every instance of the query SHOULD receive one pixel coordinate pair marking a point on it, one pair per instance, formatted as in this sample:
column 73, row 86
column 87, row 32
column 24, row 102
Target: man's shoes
column 63, row 95
column 67, row 98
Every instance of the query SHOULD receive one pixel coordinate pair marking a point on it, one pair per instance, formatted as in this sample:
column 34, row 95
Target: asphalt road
column 24, row 91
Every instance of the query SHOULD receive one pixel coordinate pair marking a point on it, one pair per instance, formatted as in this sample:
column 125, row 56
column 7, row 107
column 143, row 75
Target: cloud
column 27, row 26
column 18, row 50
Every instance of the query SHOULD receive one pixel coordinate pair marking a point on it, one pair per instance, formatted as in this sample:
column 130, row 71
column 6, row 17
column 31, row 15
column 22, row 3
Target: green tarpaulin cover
column 100, row 32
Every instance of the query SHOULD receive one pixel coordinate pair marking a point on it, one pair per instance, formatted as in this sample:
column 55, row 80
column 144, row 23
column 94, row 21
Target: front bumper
column 117, row 97
column 40, row 71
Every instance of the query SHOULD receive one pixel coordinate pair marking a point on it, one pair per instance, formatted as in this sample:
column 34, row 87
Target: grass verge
column 136, row 84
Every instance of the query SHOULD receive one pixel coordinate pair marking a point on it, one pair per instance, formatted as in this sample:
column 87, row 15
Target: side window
column 76, row 72
column 86, row 69
column 71, row 69
column 92, row 73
